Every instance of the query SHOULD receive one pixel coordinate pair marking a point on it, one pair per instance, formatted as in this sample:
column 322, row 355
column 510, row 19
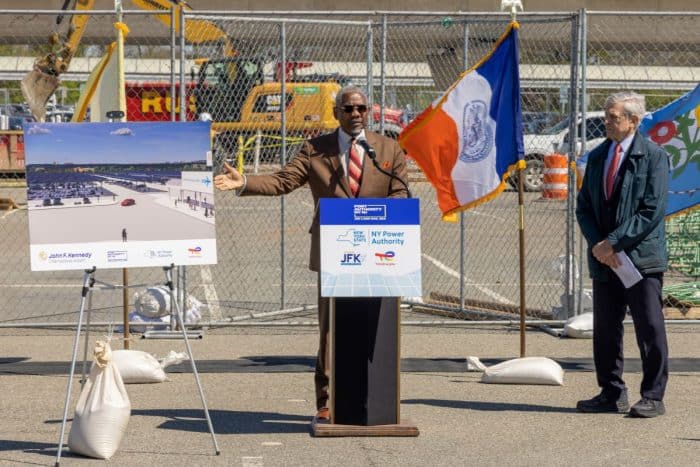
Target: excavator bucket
column 37, row 89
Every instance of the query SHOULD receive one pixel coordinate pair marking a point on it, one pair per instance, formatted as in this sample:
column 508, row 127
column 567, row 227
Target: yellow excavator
column 40, row 83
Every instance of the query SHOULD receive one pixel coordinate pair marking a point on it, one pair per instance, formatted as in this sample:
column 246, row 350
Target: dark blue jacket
column 638, row 226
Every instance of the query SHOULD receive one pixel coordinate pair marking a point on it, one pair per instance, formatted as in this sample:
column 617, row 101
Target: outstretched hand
column 229, row 180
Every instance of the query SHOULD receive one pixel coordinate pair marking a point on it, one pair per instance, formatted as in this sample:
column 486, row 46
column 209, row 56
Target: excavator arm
column 40, row 83
column 197, row 31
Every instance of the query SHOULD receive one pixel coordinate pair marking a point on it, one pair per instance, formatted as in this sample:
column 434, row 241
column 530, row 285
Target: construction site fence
column 570, row 62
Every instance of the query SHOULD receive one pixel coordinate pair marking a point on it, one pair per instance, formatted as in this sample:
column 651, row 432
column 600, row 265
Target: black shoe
column 604, row 404
column 647, row 408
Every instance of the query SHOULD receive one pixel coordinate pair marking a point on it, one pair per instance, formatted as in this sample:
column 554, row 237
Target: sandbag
column 103, row 409
column 192, row 316
column 154, row 302
column 136, row 367
column 580, row 326
column 527, row 370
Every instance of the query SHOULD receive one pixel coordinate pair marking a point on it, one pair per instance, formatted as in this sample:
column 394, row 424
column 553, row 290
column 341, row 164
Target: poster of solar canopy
column 117, row 195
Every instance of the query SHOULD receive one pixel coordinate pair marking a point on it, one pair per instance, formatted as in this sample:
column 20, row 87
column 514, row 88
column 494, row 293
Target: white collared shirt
column 344, row 148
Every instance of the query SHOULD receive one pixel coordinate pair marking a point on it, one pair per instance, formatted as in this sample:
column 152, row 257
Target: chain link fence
column 470, row 268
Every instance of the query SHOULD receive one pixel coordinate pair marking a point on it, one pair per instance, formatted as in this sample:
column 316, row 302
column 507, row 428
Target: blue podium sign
column 370, row 247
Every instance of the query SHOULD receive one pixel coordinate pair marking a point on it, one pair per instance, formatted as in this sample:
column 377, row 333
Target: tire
column 534, row 175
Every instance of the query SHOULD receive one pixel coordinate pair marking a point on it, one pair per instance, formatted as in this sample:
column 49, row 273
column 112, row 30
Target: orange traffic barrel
column 556, row 176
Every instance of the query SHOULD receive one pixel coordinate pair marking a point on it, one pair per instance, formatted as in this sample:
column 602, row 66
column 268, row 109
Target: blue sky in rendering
column 116, row 143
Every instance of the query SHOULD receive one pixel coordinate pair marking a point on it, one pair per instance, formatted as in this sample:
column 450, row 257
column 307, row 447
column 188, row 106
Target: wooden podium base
column 323, row 429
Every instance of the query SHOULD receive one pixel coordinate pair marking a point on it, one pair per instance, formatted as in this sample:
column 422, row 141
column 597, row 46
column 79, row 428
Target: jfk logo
column 351, row 259
column 477, row 135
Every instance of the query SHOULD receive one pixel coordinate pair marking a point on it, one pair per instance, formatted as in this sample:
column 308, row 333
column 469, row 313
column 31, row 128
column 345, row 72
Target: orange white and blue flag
column 470, row 139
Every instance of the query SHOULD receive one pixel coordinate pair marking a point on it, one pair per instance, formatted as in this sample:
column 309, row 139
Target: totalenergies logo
column 196, row 251
column 387, row 256
column 385, row 259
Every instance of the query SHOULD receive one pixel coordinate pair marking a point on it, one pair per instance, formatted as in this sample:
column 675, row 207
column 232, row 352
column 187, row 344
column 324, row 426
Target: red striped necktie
column 354, row 168
column 612, row 171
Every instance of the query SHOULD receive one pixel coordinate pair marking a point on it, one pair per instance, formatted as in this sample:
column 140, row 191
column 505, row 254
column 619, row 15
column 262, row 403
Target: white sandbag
column 154, row 302
column 140, row 323
column 580, row 326
column 527, row 370
column 158, row 323
column 103, row 409
column 137, row 367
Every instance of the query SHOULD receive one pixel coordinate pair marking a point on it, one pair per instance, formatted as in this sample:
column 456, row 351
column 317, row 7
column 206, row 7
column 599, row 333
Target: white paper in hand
column 627, row 271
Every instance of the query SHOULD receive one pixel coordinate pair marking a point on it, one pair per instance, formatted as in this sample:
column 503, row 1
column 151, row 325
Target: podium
column 370, row 257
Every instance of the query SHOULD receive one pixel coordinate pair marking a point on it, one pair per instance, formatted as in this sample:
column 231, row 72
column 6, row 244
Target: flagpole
column 521, row 242
column 513, row 6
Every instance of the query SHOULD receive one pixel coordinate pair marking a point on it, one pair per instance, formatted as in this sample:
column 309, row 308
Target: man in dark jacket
column 620, row 210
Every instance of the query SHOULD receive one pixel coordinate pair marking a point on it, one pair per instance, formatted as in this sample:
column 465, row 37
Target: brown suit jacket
column 318, row 164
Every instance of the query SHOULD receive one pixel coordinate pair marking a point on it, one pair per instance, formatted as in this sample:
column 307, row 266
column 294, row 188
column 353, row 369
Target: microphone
column 373, row 155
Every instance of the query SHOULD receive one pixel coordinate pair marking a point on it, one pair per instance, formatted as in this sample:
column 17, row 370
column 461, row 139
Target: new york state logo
column 477, row 135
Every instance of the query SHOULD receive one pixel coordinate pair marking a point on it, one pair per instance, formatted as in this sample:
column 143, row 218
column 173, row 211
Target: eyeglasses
column 614, row 118
column 348, row 109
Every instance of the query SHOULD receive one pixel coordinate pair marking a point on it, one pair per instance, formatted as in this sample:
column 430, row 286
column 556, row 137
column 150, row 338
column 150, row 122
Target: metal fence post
column 382, row 79
column 173, row 42
column 462, row 220
column 370, row 63
column 283, row 153
column 584, row 108
column 573, row 127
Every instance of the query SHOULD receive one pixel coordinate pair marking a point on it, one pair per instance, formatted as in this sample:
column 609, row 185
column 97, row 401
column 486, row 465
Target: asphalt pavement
column 258, row 384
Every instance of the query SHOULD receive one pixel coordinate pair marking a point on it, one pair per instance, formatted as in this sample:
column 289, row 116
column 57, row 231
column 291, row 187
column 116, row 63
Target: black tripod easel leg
column 87, row 285
column 180, row 321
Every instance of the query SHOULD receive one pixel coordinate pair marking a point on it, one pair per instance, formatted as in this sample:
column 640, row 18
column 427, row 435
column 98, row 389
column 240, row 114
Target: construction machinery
column 241, row 95
column 40, row 83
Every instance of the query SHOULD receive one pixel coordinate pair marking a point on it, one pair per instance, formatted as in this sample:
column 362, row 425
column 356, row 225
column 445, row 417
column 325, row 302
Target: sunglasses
column 348, row 109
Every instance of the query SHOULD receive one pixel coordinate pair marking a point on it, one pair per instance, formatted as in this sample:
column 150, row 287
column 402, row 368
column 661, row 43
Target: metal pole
column 183, row 118
column 179, row 317
column 86, row 280
column 173, row 41
column 382, row 79
column 521, row 241
column 584, row 108
column 370, row 64
column 573, row 131
column 462, row 220
column 283, row 153
column 183, row 97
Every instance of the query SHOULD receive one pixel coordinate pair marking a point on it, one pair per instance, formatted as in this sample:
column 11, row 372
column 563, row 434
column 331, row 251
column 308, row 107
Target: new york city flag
column 470, row 139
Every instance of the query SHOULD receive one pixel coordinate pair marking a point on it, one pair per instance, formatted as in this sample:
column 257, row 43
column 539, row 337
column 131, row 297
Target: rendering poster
column 121, row 194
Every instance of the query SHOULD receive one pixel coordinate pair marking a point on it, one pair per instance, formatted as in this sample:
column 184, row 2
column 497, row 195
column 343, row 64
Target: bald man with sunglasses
column 335, row 166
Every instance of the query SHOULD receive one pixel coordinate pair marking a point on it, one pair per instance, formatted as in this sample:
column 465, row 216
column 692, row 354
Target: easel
column 88, row 283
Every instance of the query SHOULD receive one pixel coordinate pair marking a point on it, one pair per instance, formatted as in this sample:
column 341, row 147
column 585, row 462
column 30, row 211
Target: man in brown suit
column 324, row 163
